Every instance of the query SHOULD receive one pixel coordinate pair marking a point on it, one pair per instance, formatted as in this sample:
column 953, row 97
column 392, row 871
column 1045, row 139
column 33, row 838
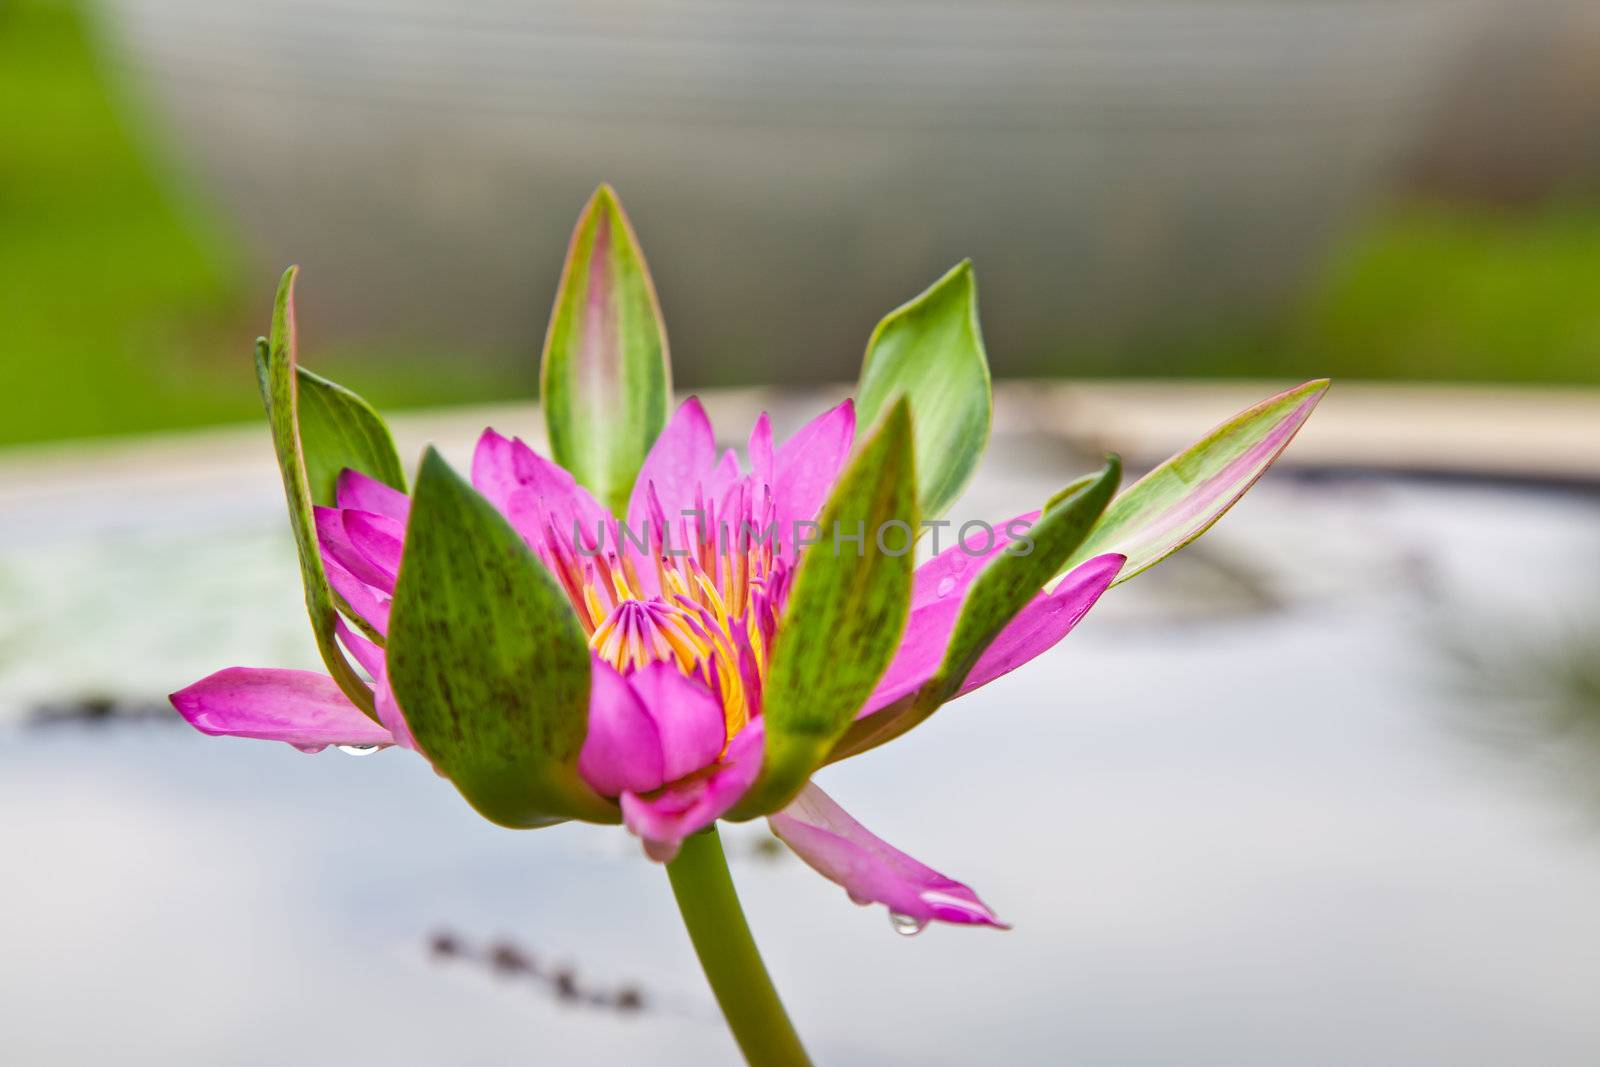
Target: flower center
column 712, row 611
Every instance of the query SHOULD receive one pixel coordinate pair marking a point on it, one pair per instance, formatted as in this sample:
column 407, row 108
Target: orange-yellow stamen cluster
column 711, row 612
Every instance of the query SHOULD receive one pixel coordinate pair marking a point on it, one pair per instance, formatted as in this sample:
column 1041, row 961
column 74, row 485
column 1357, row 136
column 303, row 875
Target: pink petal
column 761, row 450
column 681, row 458
column 369, row 655
column 502, row 466
column 622, row 750
column 303, row 708
column 806, row 467
column 379, row 541
column 647, row 728
column 871, row 870
column 1037, row 627
column 557, row 517
column 664, row 819
column 493, row 469
column 535, row 494
column 389, row 713
column 334, row 541
column 721, row 478
column 356, row 490
column 1045, row 620
column 373, row 661
column 921, row 650
column 947, row 575
column 364, row 543
column 369, row 603
column 937, row 592
column 688, row 720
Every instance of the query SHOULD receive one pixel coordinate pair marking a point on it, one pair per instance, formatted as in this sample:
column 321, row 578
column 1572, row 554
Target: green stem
column 728, row 954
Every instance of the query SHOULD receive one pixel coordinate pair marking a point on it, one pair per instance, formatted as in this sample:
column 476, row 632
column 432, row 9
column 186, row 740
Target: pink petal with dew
column 356, row 490
column 664, row 819
column 921, row 650
column 938, row 590
column 1041, row 623
column 302, row 708
column 1045, row 620
column 807, row 465
column 870, row 869
column 682, row 457
column 946, row 576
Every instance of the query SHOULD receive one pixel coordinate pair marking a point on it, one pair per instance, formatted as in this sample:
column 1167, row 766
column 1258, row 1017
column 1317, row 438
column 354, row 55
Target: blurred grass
column 112, row 299
column 122, row 310
column 1422, row 291
column 1462, row 292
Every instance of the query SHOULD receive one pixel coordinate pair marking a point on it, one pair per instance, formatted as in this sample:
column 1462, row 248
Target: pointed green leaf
column 1069, row 489
column 487, row 660
column 845, row 614
column 1183, row 497
column 931, row 350
column 1004, row 587
column 605, row 379
column 339, row 429
column 276, row 374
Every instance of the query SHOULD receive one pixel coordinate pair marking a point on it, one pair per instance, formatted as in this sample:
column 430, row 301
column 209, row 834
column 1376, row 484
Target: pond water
column 1311, row 793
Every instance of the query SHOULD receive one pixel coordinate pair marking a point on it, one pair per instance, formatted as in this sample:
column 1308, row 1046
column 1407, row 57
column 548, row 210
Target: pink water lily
column 645, row 629
column 678, row 642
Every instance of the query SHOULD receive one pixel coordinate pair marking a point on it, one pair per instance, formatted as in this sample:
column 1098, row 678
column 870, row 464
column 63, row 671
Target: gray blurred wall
column 795, row 170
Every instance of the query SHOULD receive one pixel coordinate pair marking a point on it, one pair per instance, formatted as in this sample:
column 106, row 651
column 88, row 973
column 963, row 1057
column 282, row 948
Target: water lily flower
column 643, row 629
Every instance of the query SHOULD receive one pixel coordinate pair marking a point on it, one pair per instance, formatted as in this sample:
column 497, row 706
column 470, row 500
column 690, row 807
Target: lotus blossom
column 644, row 629
column 678, row 635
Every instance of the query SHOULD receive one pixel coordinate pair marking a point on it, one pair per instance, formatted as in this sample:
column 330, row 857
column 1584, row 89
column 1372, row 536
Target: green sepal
column 1184, row 496
column 339, row 430
column 845, row 616
column 931, row 350
column 487, row 660
column 276, row 366
column 605, row 376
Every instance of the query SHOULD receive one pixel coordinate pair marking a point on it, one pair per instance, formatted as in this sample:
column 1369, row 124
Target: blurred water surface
column 1236, row 818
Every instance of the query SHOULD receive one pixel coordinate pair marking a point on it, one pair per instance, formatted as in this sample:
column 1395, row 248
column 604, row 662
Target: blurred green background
column 1430, row 212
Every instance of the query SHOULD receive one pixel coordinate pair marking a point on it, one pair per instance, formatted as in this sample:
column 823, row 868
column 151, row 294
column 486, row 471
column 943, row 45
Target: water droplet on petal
column 906, row 925
column 945, row 587
column 311, row 750
column 860, row 901
column 358, row 750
